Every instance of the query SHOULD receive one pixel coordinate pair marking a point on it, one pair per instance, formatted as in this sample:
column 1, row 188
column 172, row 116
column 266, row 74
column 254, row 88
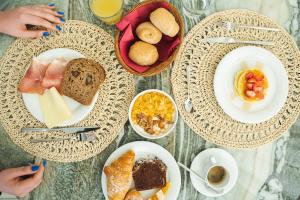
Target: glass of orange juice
column 109, row 11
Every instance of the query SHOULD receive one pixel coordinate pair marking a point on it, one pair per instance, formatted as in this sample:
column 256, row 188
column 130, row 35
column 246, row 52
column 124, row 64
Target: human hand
column 13, row 22
column 11, row 180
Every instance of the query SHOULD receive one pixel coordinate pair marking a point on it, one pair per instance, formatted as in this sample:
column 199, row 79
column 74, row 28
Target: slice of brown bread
column 82, row 79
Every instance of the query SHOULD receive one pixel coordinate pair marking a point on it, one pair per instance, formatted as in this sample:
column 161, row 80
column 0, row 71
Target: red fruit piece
column 260, row 95
column 250, row 86
column 259, row 77
column 257, row 89
column 249, row 75
column 260, row 83
column 251, row 80
column 250, row 93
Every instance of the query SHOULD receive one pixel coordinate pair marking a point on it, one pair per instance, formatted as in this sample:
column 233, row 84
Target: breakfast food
column 54, row 73
column 162, row 193
column 148, row 33
column 251, row 84
column 54, row 109
column 154, row 112
column 149, row 174
column 133, row 195
column 81, row 80
column 119, row 176
column 42, row 75
column 164, row 21
column 143, row 53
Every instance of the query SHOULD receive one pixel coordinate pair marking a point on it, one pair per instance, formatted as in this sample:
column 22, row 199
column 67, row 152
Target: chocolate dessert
column 149, row 174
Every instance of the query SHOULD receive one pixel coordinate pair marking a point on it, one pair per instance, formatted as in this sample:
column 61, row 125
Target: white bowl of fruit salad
column 153, row 114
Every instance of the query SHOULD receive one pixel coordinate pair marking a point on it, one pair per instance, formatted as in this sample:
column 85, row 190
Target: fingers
column 45, row 15
column 31, row 183
column 21, row 171
column 38, row 21
column 32, row 34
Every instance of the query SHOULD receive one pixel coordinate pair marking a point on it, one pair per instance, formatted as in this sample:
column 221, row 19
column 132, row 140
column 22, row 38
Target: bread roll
column 148, row 33
column 164, row 21
column 143, row 53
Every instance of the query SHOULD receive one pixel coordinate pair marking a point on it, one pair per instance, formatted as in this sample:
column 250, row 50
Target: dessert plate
column 143, row 150
column 78, row 110
column 276, row 94
column 223, row 158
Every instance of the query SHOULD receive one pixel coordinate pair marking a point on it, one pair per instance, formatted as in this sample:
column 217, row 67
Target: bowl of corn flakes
column 153, row 114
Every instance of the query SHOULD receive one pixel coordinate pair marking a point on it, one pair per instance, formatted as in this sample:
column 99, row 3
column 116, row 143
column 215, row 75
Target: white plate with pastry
column 42, row 87
column 251, row 84
column 126, row 171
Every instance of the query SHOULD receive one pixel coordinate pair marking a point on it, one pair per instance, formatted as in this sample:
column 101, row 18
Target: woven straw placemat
column 208, row 119
column 109, row 113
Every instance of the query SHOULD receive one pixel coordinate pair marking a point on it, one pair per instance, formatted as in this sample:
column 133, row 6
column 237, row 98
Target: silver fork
column 232, row 26
column 82, row 137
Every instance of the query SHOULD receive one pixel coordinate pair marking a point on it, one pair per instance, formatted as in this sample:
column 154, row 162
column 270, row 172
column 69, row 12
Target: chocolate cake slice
column 149, row 174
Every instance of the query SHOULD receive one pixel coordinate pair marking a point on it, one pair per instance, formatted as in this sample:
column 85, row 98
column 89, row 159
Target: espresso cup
column 216, row 174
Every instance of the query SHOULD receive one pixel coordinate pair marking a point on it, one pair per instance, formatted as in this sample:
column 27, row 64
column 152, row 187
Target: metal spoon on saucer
column 188, row 105
column 219, row 191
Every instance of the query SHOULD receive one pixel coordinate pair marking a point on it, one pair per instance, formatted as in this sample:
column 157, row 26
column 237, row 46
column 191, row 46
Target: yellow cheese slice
column 54, row 108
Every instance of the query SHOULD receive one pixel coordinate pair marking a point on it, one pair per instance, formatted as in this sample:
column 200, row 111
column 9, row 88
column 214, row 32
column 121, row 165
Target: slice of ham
column 41, row 76
column 28, row 85
column 54, row 74
column 37, row 69
column 31, row 82
column 56, row 69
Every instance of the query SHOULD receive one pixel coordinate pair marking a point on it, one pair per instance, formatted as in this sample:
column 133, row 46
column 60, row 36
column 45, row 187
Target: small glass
column 108, row 11
column 196, row 7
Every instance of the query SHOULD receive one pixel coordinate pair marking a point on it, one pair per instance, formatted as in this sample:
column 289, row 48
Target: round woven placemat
column 208, row 119
column 109, row 113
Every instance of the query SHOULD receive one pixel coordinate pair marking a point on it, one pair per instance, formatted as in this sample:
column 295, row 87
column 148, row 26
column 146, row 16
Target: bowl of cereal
column 153, row 114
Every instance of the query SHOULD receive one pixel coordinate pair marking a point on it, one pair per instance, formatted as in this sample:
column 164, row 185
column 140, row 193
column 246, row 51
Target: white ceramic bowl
column 140, row 130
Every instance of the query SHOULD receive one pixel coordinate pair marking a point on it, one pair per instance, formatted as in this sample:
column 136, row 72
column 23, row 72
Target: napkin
column 127, row 27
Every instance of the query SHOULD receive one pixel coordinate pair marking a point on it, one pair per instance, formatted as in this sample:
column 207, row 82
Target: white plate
column 140, row 130
column 223, row 158
column 78, row 110
column 143, row 150
column 224, row 84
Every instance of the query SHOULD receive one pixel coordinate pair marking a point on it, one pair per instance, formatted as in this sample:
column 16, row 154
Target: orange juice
column 109, row 11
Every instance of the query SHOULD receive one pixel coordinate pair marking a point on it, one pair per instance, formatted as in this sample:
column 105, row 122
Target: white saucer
column 78, row 110
column 273, row 69
column 143, row 150
column 223, row 158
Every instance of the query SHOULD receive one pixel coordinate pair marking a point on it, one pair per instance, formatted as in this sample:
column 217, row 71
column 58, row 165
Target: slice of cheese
column 54, row 108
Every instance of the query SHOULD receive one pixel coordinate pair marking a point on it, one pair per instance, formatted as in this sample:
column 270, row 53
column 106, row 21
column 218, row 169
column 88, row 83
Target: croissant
column 119, row 176
column 133, row 195
column 164, row 21
column 148, row 33
column 143, row 53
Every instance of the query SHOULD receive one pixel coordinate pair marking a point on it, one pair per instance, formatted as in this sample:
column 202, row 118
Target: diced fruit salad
column 255, row 85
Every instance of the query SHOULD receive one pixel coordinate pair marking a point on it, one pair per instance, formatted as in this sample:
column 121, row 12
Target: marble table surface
column 269, row 172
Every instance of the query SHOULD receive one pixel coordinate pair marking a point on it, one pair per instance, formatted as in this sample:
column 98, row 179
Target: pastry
column 164, row 21
column 149, row 174
column 119, row 176
column 133, row 195
column 143, row 53
column 82, row 79
column 148, row 33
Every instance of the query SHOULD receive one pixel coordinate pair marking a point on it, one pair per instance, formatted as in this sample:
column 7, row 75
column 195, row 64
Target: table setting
column 156, row 99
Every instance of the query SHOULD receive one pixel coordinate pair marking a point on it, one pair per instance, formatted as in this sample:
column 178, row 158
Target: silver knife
column 230, row 40
column 64, row 129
